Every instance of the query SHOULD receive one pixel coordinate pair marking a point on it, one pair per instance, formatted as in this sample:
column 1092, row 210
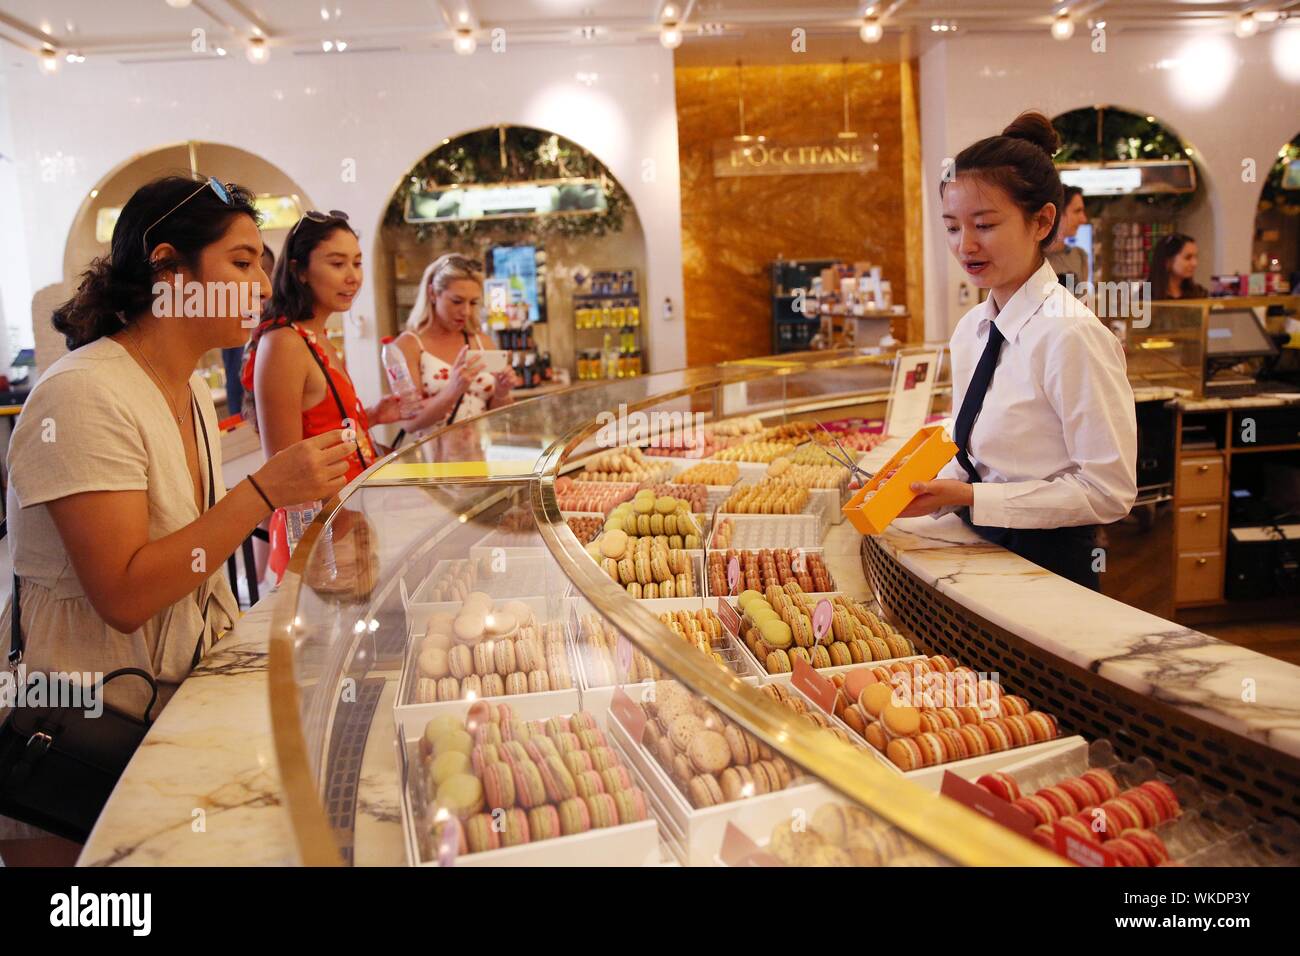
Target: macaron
column 1126, row 852
column 1103, row 781
column 1145, row 804
column 448, row 764
column 1042, row 726
column 976, row 742
column 458, row 740
column 469, row 627
column 1080, row 829
column 776, row 632
column 435, row 728
column 582, row 720
column 1039, row 809
column 1059, row 798
column 1120, row 815
column 588, row 782
column 516, row 831
column 574, row 816
column 615, row 779
column 704, row 791
column 1001, row 785
column 544, row 822
column 1152, row 847
column 876, row 736
column 1082, row 794
column 630, row 804
column 874, row 697
column 530, row 791
column 461, row 795
column 613, row 543
column 932, row 749
column 905, row 754
column 498, row 785
column 900, row 721
column 557, row 780
column 1164, row 797
column 603, row 810
column 996, row 735
column 480, row 833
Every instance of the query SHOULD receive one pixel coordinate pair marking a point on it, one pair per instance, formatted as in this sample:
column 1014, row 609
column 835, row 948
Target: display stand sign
column 915, row 372
column 1082, row 852
column 628, row 713
column 816, row 688
column 980, row 800
column 739, row 850
column 730, row 619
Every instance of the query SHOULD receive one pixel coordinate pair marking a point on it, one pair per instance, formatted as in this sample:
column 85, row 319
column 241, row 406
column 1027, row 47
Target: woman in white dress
column 441, row 337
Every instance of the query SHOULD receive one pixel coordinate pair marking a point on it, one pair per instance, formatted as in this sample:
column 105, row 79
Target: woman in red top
column 293, row 375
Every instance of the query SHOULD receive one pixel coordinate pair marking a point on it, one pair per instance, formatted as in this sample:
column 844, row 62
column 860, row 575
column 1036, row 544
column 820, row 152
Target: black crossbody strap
column 343, row 412
column 212, row 500
column 15, row 629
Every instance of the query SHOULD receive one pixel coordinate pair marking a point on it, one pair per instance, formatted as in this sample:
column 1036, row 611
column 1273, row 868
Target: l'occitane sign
column 768, row 158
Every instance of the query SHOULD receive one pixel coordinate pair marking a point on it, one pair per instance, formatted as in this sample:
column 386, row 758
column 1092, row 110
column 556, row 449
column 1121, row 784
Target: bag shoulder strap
column 15, row 628
column 329, row 380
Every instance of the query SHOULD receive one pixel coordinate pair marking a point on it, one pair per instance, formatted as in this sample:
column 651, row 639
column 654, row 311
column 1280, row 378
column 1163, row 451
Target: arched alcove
column 1277, row 216
column 1125, row 227
column 573, row 246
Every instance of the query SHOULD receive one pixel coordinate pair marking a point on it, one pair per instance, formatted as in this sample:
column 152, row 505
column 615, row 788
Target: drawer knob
column 1202, row 561
column 1202, row 468
column 1202, row 515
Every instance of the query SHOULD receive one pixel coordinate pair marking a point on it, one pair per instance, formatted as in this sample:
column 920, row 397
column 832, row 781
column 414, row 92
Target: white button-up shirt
column 1055, row 443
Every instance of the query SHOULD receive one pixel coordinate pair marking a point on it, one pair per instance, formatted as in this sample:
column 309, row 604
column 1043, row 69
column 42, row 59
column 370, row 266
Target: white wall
column 309, row 115
column 1227, row 98
column 15, row 280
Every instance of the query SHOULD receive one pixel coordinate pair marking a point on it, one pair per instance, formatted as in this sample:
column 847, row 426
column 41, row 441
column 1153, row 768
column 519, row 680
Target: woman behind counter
column 1173, row 269
column 1046, row 427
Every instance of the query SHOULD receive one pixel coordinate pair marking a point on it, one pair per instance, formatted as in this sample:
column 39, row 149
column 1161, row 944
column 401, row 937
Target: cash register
column 1234, row 337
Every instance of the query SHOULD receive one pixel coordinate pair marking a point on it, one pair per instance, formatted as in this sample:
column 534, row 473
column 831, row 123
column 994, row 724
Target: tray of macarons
column 929, row 715
column 486, row 787
column 836, row 834
column 781, row 626
column 705, row 770
column 753, row 532
column 521, row 575
column 646, row 566
column 484, row 648
column 1139, row 816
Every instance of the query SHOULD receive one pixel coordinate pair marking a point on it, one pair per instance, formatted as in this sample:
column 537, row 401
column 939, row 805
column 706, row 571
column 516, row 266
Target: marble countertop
column 1263, row 400
column 1158, row 393
column 1179, row 666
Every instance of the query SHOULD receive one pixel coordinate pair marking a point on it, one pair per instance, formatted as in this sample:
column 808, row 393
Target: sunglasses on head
column 222, row 193
column 315, row 215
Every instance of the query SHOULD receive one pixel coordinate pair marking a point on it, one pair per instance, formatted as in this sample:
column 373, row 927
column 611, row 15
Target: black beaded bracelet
column 258, row 489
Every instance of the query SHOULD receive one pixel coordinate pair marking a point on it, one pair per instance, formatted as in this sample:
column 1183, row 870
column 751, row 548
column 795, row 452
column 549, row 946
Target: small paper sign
column 449, row 841
column 623, row 653
column 820, row 690
column 628, row 713
column 479, row 713
column 980, row 800
column 821, row 619
column 739, row 850
column 1081, row 852
column 733, row 575
column 729, row 617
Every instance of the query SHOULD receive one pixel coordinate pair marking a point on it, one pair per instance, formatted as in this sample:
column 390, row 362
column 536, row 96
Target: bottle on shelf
column 399, row 377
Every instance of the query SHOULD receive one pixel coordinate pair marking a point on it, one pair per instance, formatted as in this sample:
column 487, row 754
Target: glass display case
column 557, row 634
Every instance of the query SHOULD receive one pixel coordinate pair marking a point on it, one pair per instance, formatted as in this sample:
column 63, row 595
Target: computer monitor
column 1236, row 333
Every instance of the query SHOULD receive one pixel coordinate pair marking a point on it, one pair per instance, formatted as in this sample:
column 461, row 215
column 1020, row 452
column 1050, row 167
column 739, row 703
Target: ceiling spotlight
column 465, row 42
column 75, row 58
column 1247, row 25
column 258, row 52
column 670, row 12
column 587, row 32
column 49, row 60
column 1062, row 27
column 463, row 16
column 178, row 4
column 326, row 45
column 340, row 45
column 670, row 36
column 871, row 30
column 221, row 51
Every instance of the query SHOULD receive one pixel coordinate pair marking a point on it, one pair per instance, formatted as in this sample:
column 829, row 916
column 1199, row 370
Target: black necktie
column 973, row 401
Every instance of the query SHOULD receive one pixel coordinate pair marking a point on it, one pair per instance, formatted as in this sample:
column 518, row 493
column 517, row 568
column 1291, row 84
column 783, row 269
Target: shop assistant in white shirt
column 1055, row 443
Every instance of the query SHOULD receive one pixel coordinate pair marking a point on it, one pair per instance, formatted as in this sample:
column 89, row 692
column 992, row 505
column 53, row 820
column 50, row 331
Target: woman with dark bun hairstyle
column 1046, row 424
column 119, row 524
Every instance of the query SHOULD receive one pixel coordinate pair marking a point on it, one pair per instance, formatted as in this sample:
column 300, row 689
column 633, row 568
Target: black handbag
column 59, row 764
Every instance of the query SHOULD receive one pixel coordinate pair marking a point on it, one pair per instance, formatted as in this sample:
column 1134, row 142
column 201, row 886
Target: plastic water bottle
column 399, row 377
column 296, row 520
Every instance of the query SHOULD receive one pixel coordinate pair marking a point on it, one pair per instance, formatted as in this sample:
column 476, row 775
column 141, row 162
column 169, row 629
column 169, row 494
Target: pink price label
column 623, row 652
column 822, row 615
column 733, row 575
column 479, row 713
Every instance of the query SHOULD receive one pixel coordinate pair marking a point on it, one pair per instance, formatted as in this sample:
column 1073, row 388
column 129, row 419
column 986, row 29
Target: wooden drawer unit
column 1199, row 577
column 1200, row 528
column 1200, row 478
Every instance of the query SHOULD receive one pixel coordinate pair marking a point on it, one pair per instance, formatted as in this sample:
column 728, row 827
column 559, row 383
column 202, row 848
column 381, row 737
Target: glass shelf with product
column 607, row 310
column 629, row 625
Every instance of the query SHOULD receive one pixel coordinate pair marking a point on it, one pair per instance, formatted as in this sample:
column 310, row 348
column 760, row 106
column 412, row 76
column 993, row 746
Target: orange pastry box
column 878, row 502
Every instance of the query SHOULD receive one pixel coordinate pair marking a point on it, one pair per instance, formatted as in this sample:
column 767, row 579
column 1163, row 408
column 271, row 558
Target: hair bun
column 1033, row 127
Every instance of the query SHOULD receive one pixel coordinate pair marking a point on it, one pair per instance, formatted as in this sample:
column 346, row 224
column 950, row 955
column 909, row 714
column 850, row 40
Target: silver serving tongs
column 848, row 461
